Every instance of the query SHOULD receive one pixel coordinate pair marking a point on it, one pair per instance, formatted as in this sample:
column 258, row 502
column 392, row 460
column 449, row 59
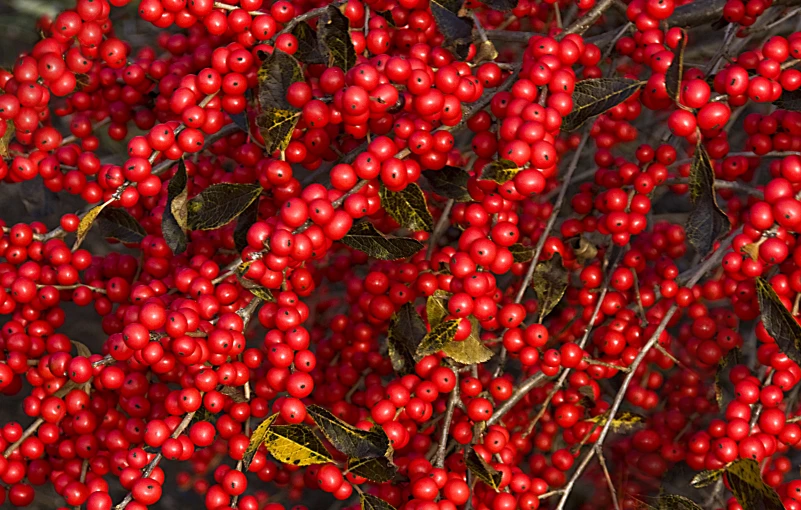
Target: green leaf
column 243, row 224
column 521, row 253
column 481, row 469
column 348, row 439
column 500, row 171
column 333, row 33
column 370, row 502
column 439, row 335
column 86, row 223
column 707, row 223
column 436, row 307
column 779, row 321
column 789, row 100
column 406, row 330
column 375, row 469
column 500, row 5
column 276, row 126
column 676, row 502
column 174, row 217
column 408, row 207
column 116, row 223
column 595, row 96
column 256, row 439
column 296, row 444
column 308, row 50
column 457, row 31
column 549, row 281
column 450, row 182
column 219, row 204
column 471, row 350
column 257, row 290
column 275, row 75
column 745, row 480
column 363, row 236
column 676, row 70
column 705, row 478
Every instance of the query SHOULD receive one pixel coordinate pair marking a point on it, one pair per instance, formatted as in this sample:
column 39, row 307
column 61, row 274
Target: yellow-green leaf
column 745, row 480
column 86, row 223
column 521, row 253
column 594, row 96
column 408, row 207
column 705, row 478
column 296, row 444
column 779, row 321
column 276, row 126
column 481, row 469
column 438, row 337
column 469, row 351
column 348, row 439
column 5, row 140
column 174, row 217
column 499, row 171
column 675, row 72
column 623, row 422
column 406, row 330
column 257, row 290
column 370, row 502
column 256, row 439
column 375, row 469
column 550, row 281
column 676, row 502
column 333, row 33
column 707, row 223
column 436, row 307
column 363, row 236
column 219, row 204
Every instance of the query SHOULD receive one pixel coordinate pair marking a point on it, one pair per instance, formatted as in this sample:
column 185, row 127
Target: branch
column 439, row 458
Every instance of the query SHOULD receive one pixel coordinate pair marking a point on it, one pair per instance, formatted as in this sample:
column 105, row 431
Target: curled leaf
column 296, row 444
column 363, row 236
column 256, row 439
column 707, row 223
column 5, row 140
column 408, row 207
column 219, row 204
column 481, row 469
column 436, row 307
column 116, row 223
column 438, row 337
column 406, row 330
column 499, row 171
column 333, row 33
column 449, row 182
column 550, row 281
column 747, row 485
column 348, row 439
column 174, row 217
column 595, row 96
column 705, row 478
column 86, row 223
column 81, row 349
column 521, row 253
column 308, row 50
column 375, row 469
column 778, row 320
column 457, row 31
column 676, row 70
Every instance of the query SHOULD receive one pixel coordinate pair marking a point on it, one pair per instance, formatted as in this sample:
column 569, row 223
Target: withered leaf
column 623, row 422
column 243, row 224
column 406, row 330
column 438, row 337
column 500, row 5
column 256, row 439
column 676, row 502
column 676, row 70
column 296, row 444
column 481, row 469
column 276, row 126
column 595, row 96
column 219, row 204
column 408, row 207
column 5, row 140
column 236, row 393
column 779, row 321
column 333, row 33
column 86, row 223
column 549, row 281
column 174, row 217
column 457, row 31
column 363, row 236
column 117, row 223
column 370, row 502
column 745, row 480
column 375, row 469
column 308, row 50
column 81, row 348
column 486, row 52
column 789, row 100
column 257, row 290
column 500, row 171
column 521, row 253
column 348, row 439
column 449, row 182
column 705, row 478
column 707, row 223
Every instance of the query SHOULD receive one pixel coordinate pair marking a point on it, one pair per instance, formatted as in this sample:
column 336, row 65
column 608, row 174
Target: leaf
column 707, row 223
column 406, row 330
column 439, row 335
column 550, row 281
column 778, row 321
column 296, row 444
column 116, row 223
column 676, row 502
column 745, row 480
column 471, row 350
column 275, row 75
column 500, row 171
column 5, row 140
column 675, row 72
column 236, row 393
column 724, row 390
column 408, row 207
column 370, row 502
column 256, row 439
column 219, row 204
column 457, row 31
column 308, row 50
column 363, row 236
column 486, row 52
column 500, row 5
column 243, row 224
column 481, row 469
column 450, row 182
column 521, row 253
column 375, row 469
column 705, row 478
column 436, row 309
column 174, row 217
column 348, row 439
column 276, row 126
column 595, row 96
column 81, row 349
column 257, row 290
column 789, row 100
column 86, row 223
column 333, row 33
column 623, row 422
column 240, row 120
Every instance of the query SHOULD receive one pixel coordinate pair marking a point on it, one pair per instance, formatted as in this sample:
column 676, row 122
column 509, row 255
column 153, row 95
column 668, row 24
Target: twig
column 584, row 23
column 32, row 428
column 612, row 490
column 440, row 228
column 439, row 458
column 527, row 385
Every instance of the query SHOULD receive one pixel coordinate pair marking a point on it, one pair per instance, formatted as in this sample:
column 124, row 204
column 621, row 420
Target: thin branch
column 439, row 458
column 440, row 228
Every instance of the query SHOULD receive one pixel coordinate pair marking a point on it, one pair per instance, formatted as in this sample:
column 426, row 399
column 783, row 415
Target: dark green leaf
column 778, row 321
column 276, row 126
column 707, row 223
column 745, row 480
column 370, row 502
column 789, row 100
column 457, row 31
column 116, row 223
column 550, row 283
column 296, row 444
column 275, row 75
column 481, row 469
column 406, row 330
column 363, row 236
column 219, row 204
column 500, row 5
column 705, row 478
column 500, row 171
column 243, row 224
column 595, row 96
column 408, row 207
column 241, row 121
column 676, row 70
column 438, row 337
column 450, row 182
column 333, row 33
column 174, row 217
column 676, row 502
column 386, row 15
column 308, row 50
column 348, row 439
column 521, row 253
column 375, row 469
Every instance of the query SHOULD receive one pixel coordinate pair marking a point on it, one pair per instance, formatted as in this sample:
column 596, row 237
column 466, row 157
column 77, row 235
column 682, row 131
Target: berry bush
column 406, row 255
